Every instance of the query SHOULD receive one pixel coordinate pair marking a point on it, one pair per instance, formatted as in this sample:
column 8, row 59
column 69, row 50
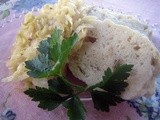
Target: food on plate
column 66, row 15
column 119, row 18
column 111, row 52
column 108, row 43
column 120, row 38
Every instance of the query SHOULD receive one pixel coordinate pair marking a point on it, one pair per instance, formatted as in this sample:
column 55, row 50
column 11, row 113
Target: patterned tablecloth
column 14, row 105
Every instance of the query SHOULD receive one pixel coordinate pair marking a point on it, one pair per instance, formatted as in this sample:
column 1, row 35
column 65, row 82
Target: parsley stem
column 79, row 88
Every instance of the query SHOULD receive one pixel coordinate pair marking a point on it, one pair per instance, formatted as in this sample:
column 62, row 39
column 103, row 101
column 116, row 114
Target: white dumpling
column 114, row 42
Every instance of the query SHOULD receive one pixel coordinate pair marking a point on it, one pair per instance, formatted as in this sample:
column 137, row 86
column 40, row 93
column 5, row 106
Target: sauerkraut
column 67, row 15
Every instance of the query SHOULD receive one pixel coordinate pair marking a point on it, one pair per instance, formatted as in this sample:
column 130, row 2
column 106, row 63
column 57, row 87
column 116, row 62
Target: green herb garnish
column 113, row 84
column 53, row 56
column 76, row 109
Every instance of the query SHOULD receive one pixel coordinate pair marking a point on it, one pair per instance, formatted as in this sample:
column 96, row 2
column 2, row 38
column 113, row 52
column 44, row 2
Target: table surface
column 11, row 16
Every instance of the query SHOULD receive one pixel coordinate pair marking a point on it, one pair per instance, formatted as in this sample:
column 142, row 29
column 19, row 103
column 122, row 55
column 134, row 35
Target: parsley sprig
column 53, row 56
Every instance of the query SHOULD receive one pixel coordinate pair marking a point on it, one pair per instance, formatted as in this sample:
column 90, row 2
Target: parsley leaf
column 66, row 48
column 53, row 55
column 39, row 67
column 44, row 47
column 48, row 98
column 55, row 44
column 76, row 109
column 102, row 100
column 113, row 84
column 116, row 82
column 59, row 86
column 52, row 45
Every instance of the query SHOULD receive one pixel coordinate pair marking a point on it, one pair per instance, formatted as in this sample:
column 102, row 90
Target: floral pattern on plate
column 6, row 6
column 8, row 114
column 21, row 5
column 148, row 107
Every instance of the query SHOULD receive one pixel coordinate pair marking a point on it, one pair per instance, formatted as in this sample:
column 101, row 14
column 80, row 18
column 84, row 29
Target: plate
column 22, row 107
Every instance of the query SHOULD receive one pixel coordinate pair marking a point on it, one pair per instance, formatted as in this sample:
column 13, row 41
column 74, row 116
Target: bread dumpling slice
column 108, row 43
column 119, row 18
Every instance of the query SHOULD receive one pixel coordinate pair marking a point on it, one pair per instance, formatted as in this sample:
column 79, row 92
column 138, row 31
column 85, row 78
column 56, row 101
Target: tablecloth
column 15, row 105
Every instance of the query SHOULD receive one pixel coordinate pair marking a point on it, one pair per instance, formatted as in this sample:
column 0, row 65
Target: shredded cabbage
column 67, row 15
